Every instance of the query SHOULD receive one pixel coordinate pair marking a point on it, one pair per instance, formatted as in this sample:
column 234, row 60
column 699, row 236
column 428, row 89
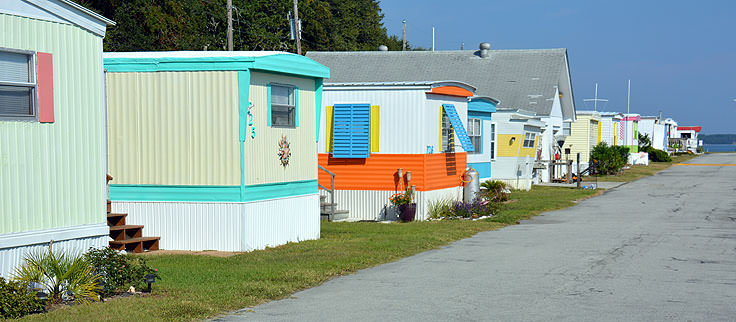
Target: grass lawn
column 639, row 171
column 196, row 287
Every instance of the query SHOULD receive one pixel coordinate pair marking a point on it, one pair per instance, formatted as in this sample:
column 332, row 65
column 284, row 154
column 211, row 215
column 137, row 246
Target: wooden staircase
column 127, row 237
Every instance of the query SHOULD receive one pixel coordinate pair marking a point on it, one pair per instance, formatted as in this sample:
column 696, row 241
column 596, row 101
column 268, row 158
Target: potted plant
column 404, row 201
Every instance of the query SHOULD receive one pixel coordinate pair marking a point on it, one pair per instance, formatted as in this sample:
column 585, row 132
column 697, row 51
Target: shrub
column 119, row 271
column 16, row 300
column 439, row 208
column 644, row 142
column 700, row 149
column 478, row 207
column 61, row 274
column 658, row 155
column 496, row 191
column 609, row 159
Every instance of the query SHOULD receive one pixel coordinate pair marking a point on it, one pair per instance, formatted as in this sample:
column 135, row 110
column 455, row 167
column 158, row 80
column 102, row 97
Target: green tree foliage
column 644, row 142
column 16, row 300
column 609, row 159
column 334, row 25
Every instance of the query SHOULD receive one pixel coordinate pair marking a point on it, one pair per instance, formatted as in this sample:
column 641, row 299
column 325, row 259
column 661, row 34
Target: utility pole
column 230, row 25
column 403, row 37
column 298, row 29
column 432, row 38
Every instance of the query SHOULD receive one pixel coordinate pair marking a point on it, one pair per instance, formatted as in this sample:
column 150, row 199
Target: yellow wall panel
column 173, row 128
column 375, row 128
column 507, row 149
column 328, row 127
column 261, row 154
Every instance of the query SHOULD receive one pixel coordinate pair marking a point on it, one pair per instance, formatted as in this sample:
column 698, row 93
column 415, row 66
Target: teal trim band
column 268, row 103
column 317, row 105
column 479, row 115
column 125, row 192
column 483, row 169
column 280, row 63
column 243, row 106
column 296, row 104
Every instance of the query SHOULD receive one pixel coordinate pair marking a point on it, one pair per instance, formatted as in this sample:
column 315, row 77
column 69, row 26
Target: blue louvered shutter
column 351, row 131
column 457, row 125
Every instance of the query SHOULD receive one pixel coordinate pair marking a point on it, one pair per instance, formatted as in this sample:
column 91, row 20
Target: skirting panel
column 374, row 205
column 219, row 226
column 10, row 258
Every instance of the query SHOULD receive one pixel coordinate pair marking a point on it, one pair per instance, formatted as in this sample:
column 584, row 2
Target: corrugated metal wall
column 374, row 205
column 579, row 141
column 226, row 226
column 173, row 128
column 11, row 258
column 53, row 175
column 261, row 154
column 607, row 131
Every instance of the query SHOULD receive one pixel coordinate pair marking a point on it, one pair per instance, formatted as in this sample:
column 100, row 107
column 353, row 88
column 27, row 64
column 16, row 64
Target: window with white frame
column 475, row 134
column 529, row 139
column 17, row 84
column 493, row 140
column 283, row 106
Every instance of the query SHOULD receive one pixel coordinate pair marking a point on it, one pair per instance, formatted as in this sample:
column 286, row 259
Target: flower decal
column 284, row 151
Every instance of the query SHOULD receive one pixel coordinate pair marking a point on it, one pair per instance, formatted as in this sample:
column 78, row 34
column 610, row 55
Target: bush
column 477, row 208
column 658, row 155
column 119, row 271
column 700, row 149
column 496, row 191
column 16, row 300
column 609, row 159
column 439, row 208
column 61, row 274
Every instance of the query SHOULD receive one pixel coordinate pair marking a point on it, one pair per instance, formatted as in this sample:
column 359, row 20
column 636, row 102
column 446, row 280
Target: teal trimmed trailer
column 52, row 129
column 481, row 128
column 215, row 150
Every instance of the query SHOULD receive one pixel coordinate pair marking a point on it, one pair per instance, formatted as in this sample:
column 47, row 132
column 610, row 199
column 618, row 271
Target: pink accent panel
column 45, row 70
column 632, row 118
column 690, row 128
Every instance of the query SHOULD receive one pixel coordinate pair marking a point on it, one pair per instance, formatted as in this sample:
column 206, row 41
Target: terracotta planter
column 407, row 212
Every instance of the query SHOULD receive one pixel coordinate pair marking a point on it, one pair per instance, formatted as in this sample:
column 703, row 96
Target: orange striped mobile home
column 399, row 135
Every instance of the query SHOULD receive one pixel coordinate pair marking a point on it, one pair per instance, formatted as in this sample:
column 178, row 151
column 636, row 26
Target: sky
column 679, row 55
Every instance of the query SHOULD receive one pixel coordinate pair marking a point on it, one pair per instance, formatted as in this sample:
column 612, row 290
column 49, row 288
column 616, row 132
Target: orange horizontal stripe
column 708, row 164
column 379, row 171
column 452, row 91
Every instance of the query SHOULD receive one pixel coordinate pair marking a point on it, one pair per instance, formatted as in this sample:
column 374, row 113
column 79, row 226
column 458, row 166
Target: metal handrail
column 331, row 190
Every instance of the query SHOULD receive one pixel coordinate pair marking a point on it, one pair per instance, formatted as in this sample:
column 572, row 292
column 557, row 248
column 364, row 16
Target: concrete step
column 337, row 216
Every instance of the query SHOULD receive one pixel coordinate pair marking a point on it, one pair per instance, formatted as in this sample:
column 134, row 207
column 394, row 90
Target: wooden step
column 123, row 232
column 136, row 245
column 109, row 206
column 116, row 219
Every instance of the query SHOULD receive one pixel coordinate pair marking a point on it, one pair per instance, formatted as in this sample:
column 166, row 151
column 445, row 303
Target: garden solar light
column 150, row 278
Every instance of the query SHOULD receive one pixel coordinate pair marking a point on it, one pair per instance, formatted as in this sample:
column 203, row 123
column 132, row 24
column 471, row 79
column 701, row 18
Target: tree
column 334, row 25
column 644, row 142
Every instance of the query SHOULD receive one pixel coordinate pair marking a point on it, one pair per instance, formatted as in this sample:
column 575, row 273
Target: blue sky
column 679, row 55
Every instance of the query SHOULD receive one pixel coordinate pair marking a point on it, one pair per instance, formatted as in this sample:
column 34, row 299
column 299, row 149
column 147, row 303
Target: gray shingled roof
column 519, row 79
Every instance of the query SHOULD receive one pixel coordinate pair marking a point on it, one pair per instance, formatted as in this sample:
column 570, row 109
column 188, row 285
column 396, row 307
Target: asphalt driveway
column 661, row 248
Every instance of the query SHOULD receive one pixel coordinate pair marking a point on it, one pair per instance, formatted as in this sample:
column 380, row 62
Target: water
column 720, row 147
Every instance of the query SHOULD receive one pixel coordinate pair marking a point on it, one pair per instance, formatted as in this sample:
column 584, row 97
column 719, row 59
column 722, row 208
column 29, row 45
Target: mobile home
column 517, row 145
column 52, row 129
column 584, row 137
column 215, row 150
column 379, row 139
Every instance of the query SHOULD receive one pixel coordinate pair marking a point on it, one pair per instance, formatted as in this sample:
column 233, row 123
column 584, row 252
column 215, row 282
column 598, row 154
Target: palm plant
column 61, row 275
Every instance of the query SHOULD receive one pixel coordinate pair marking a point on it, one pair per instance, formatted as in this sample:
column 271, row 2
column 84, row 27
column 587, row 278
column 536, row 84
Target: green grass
column 196, row 287
column 640, row 171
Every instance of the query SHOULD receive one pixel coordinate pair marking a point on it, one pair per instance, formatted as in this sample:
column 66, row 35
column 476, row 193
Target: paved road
column 659, row 249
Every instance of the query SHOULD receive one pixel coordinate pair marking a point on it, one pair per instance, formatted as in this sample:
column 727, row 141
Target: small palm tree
column 60, row 274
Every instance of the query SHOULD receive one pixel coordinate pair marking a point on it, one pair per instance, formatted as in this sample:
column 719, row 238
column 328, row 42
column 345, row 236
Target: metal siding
column 402, row 113
column 226, row 226
column 11, row 258
column 261, row 154
column 374, row 204
column 52, row 175
column 173, row 128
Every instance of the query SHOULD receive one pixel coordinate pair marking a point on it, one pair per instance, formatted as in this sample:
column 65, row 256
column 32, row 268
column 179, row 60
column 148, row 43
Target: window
column 17, row 85
column 475, row 134
column 351, row 130
column 529, row 139
column 566, row 128
column 448, row 137
column 493, row 140
column 283, row 106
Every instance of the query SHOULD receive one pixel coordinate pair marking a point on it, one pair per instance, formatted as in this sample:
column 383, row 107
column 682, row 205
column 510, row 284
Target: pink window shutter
column 45, row 79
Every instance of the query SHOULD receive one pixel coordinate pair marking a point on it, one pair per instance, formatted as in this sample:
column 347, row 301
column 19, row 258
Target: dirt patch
column 214, row 253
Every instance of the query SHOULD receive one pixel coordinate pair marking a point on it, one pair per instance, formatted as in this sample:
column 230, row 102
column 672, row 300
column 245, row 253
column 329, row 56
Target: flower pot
column 407, row 212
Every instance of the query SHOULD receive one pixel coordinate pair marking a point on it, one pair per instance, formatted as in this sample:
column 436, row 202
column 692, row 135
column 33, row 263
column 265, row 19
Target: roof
column 61, row 11
column 270, row 61
column 520, row 79
column 690, row 128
